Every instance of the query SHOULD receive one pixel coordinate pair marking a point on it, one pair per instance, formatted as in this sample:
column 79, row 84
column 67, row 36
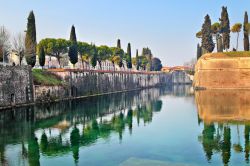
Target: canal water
column 167, row 126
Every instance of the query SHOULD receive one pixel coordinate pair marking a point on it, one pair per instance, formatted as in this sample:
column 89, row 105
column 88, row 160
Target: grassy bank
column 229, row 54
column 43, row 77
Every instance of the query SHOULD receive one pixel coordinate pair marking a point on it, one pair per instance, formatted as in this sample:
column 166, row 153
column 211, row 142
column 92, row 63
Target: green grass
column 43, row 77
column 238, row 54
column 230, row 54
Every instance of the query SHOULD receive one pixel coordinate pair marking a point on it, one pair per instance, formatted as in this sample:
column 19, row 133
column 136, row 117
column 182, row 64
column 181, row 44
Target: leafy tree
column 215, row 29
column 246, row 32
column 116, row 60
column 129, row 59
column 73, row 52
column 119, row 43
column 144, row 62
column 148, row 55
column 41, row 55
column 54, row 47
column 84, row 49
column 18, row 45
column 30, row 40
column 199, row 34
column 104, row 52
column 156, row 64
column 4, row 43
column 236, row 28
column 117, row 52
column 146, row 52
column 207, row 40
column 225, row 28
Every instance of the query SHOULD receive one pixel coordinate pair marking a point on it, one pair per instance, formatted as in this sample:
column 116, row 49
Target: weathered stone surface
column 223, row 105
column 222, row 72
column 181, row 77
column 16, row 85
column 49, row 93
column 80, row 83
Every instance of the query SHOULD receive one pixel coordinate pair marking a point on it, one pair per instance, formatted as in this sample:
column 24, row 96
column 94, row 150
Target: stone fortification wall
column 84, row 83
column 222, row 73
column 15, row 85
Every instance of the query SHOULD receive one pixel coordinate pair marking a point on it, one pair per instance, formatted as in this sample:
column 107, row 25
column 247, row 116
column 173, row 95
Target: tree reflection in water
column 220, row 115
column 83, row 120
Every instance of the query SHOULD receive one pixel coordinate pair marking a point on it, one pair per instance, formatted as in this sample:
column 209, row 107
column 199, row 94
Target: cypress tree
column 93, row 59
column 225, row 28
column 245, row 30
column 137, row 60
column 30, row 40
column 73, row 35
column 73, row 54
column 119, row 43
column 129, row 63
column 207, row 39
column 120, row 62
column 220, row 44
column 199, row 51
column 41, row 57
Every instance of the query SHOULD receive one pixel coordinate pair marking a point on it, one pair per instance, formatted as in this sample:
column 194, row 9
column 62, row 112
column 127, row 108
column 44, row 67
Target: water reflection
column 63, row 128
column 224, row 114
column 223, row 105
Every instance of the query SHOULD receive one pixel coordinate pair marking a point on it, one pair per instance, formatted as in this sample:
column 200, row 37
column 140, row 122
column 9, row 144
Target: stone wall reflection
column 43, row 129
column 223, row 105
column 223, row 114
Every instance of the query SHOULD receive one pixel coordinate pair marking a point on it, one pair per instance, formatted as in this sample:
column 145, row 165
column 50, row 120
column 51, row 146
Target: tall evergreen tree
column 41, row 57
column 137, row 60
column 73, row 35
column 30, row 40
column 225, row 28
column 93, row 59
column 199, row 51
column 207, row 39
column 73, row 53
column 245, row 30
column 220, row 44
column 119, row 43
column 119, row 52
column 129, row 59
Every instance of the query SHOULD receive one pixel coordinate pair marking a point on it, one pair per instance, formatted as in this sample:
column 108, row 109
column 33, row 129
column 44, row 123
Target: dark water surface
column 169, row 126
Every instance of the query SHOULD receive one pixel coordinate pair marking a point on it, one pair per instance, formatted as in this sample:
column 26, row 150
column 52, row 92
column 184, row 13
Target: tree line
column 218, row 34
column 91, row 54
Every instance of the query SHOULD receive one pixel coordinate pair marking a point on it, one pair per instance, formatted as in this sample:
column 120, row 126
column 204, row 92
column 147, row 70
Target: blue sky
column 168, row 27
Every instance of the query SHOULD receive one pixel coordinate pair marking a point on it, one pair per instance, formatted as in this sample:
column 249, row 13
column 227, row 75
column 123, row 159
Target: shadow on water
column 62, row 128
column 224, row 114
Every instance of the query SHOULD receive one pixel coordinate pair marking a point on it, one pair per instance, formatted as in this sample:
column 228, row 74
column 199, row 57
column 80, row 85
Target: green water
column 149, row 127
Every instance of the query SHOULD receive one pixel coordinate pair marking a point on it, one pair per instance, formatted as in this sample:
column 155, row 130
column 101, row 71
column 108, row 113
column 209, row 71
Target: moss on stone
column 44, row 77
column 228, row 54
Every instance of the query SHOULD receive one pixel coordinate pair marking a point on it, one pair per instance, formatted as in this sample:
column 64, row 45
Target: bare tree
column 4, row 44
column 18, row 45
